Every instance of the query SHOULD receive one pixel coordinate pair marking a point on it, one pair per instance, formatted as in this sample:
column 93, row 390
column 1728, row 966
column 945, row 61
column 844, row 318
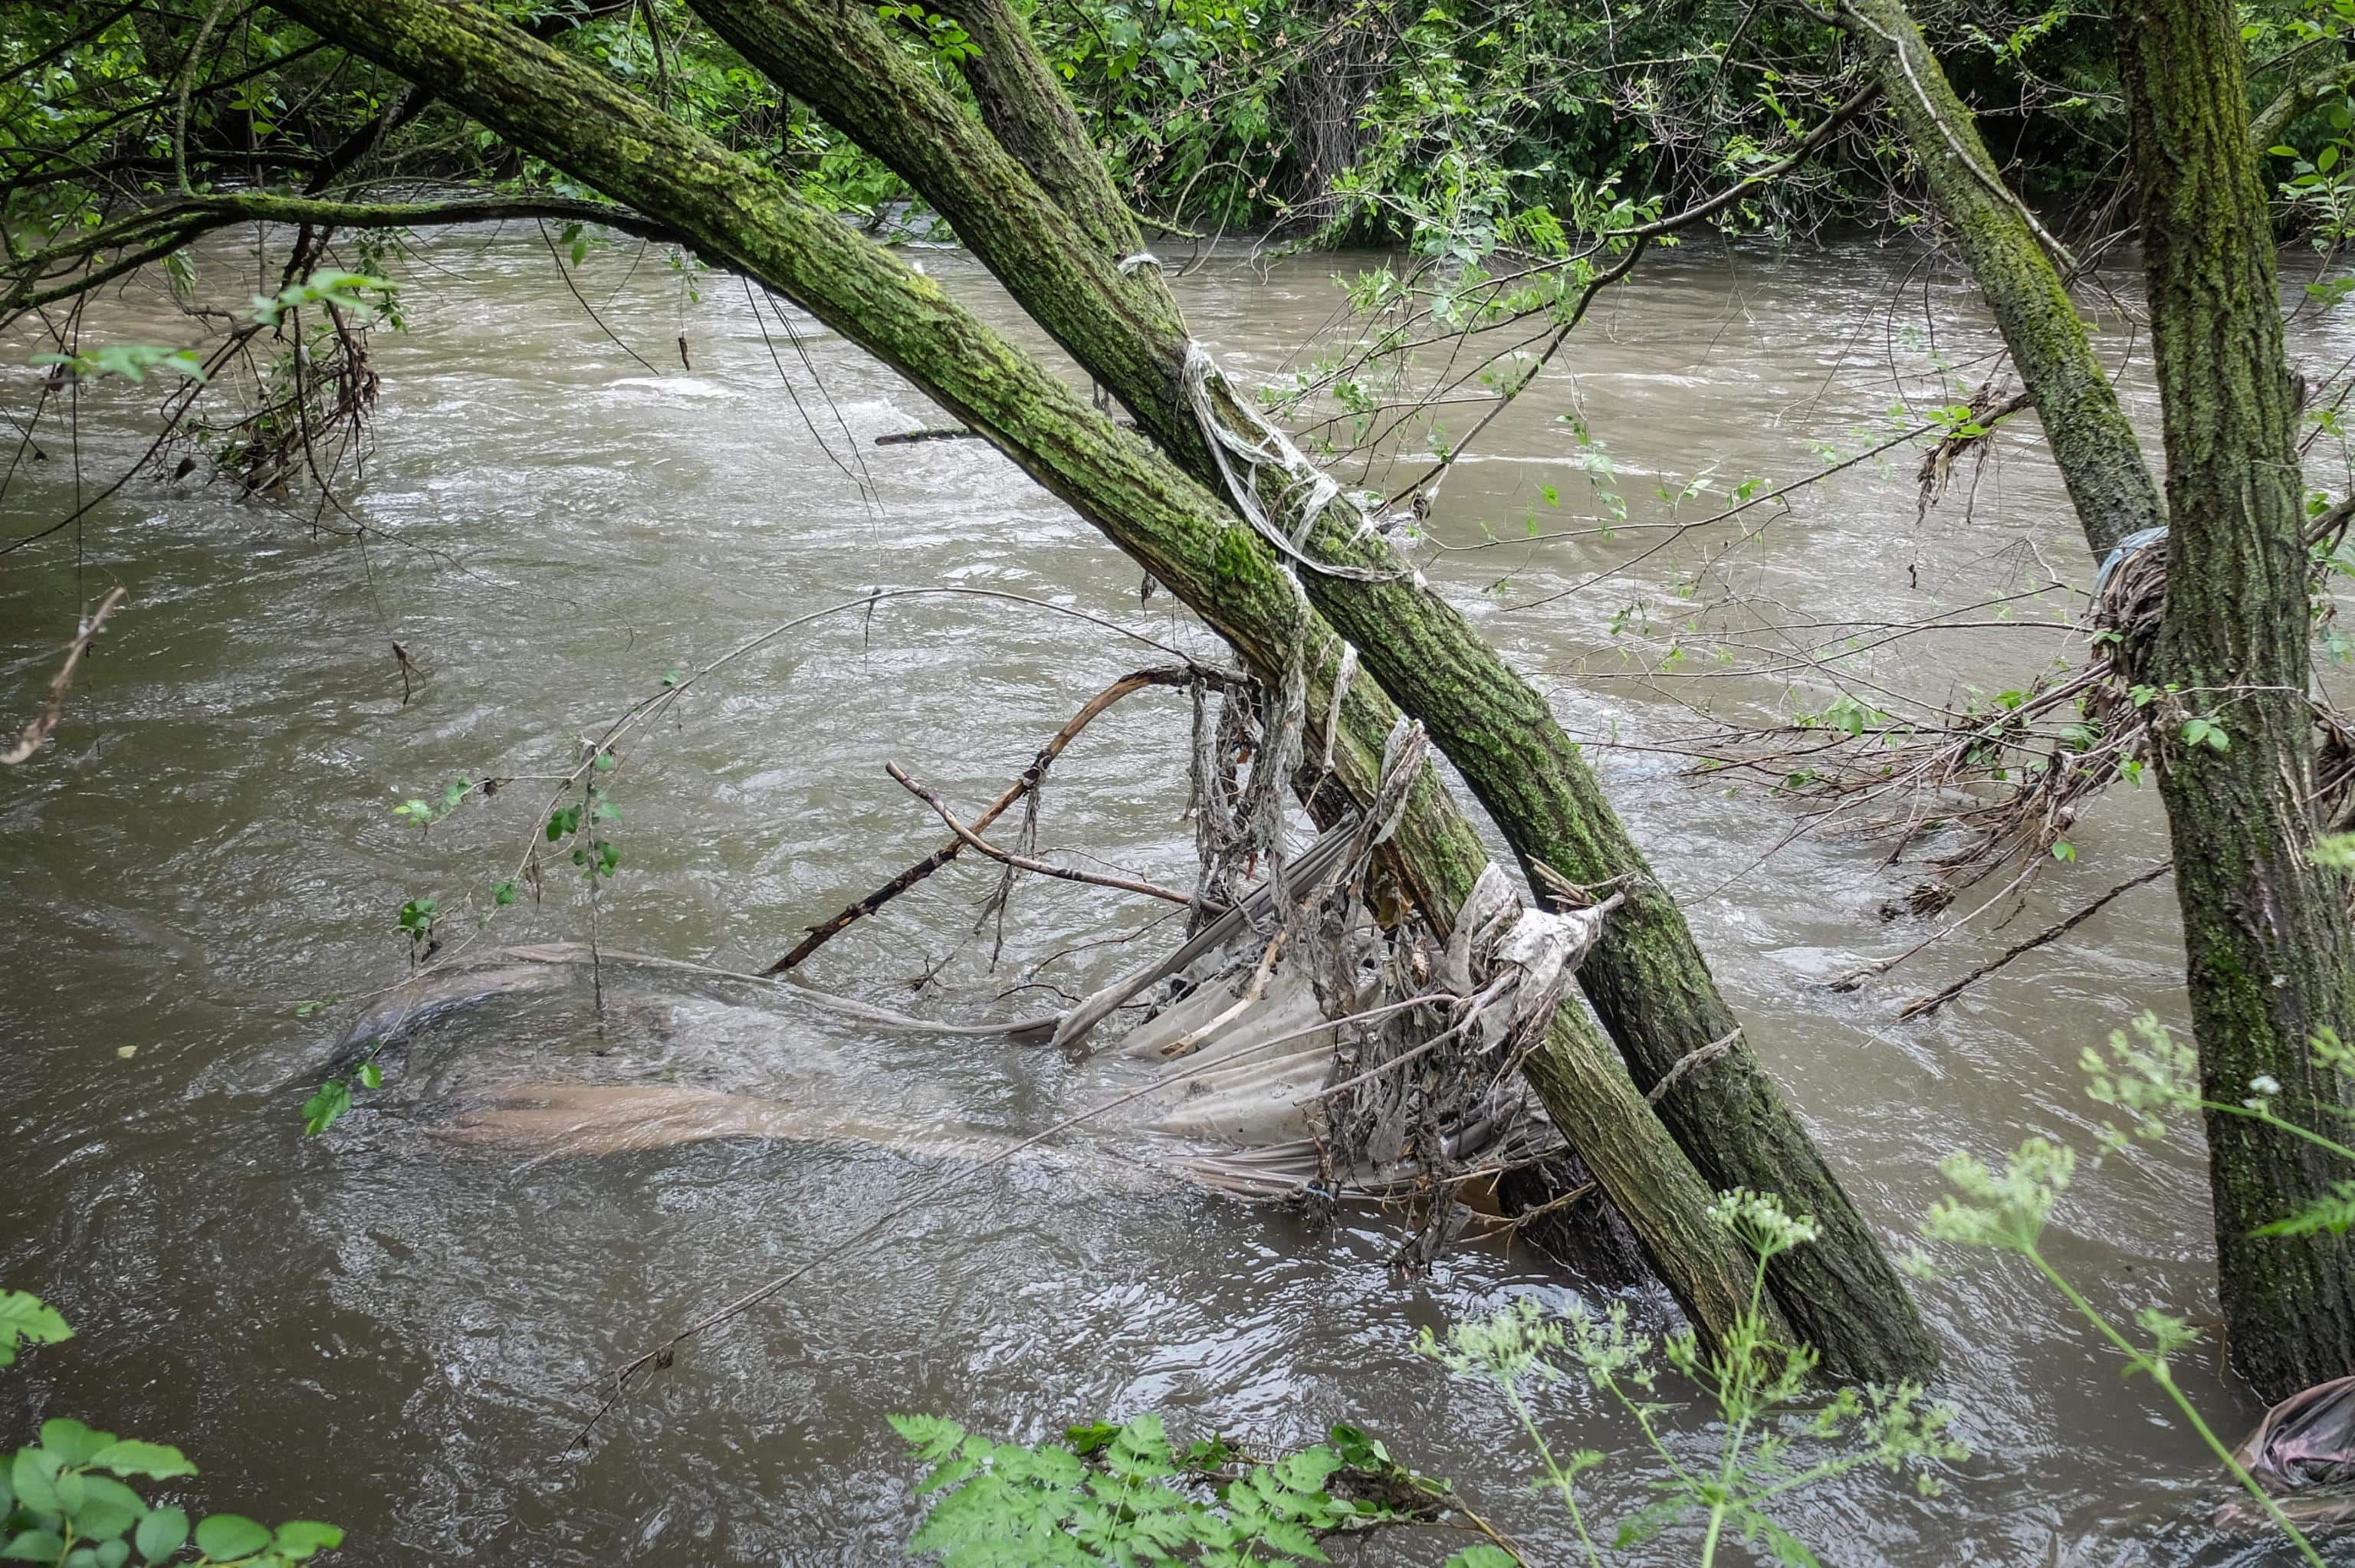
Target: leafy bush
column 1124, row 1494
column 67, row 1499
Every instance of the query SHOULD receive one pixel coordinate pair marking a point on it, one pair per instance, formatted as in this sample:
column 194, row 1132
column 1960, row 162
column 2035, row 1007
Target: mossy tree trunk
column 741, row 216
column 1048, row 225
column 2266, row 930
column 2092, row 441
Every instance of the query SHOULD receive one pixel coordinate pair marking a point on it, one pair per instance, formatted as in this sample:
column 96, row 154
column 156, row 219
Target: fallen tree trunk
column 2272, row 958
column 1066, row 253
column 739, row 215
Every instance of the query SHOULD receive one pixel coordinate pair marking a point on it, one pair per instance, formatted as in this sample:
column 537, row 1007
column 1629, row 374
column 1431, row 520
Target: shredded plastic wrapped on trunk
column 2303, row 1454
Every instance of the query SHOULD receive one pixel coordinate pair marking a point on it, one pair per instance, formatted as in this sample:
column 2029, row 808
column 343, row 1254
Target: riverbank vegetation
column 1518, row 164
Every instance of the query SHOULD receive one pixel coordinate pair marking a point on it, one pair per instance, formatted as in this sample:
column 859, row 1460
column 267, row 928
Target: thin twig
column 1135, row 681
column 36, row 734
column 1024, row 862
column 1924, row 1004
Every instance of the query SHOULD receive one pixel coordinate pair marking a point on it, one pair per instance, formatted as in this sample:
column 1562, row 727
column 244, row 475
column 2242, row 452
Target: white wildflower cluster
column 2148, row 1075
column 1503, row 1348
column 2008, row 1211
column 1761, row 1221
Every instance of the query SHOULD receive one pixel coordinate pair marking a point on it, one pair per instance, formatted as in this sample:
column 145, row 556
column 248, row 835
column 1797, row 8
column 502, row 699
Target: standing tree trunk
column 1051, row 227
column 2266, row 930
column 2093, row 442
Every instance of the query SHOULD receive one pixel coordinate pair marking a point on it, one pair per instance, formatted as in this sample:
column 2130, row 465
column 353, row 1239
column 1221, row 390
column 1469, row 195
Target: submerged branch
column 1931, row 1004
column 36, row 734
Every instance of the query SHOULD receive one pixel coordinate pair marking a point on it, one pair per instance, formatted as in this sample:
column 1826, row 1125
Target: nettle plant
column 67, row 1498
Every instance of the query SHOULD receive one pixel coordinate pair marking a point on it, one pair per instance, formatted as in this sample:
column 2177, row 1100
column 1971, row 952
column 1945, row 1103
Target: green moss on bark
column 740, row 214
column 2266, row 930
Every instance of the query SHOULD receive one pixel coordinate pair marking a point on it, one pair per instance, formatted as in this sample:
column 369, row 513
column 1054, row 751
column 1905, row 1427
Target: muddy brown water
column 401, row 1332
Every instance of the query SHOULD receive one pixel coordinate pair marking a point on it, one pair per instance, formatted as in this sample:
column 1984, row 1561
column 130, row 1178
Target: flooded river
column 401, row 1332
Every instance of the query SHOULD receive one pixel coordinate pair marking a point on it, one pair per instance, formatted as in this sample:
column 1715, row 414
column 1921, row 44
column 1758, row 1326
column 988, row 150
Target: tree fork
column 1645, row 976
column 741, row 216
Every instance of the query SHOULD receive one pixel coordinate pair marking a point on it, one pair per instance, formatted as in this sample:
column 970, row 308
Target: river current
column 402, row 1333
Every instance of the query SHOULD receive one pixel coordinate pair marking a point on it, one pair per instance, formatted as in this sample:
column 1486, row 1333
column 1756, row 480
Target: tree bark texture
column 2266, row 930
column 741, row 216
column 1647, row 977
column 2093, row 442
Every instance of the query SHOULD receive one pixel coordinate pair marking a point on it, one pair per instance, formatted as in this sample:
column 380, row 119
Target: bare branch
column 36, row 734
column 1023, row 863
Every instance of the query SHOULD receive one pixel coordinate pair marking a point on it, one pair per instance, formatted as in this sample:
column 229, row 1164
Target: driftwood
column 929, row 433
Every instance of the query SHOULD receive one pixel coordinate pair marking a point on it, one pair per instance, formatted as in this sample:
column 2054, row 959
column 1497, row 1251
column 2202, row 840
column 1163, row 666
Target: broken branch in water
column 1923, row 1004
column 1023, row 863
column 36, row 734
column 1134, row 681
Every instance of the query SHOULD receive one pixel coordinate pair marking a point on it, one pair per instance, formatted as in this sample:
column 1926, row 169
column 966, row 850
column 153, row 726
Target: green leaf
column 302, row 1538
column 112, row 1554
column 1483, row 1555
column 114, row 1494
column 133, row 1457
column 371, row 1076
column 227, row 1536
column 34, row 1475
column 102, row 1494
column 71, row 1442
column 1089, row 1436
column 160, row 1534
column 24, row 1316
column 103, row 1521
column 325, row 1108
column 35, row 1546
